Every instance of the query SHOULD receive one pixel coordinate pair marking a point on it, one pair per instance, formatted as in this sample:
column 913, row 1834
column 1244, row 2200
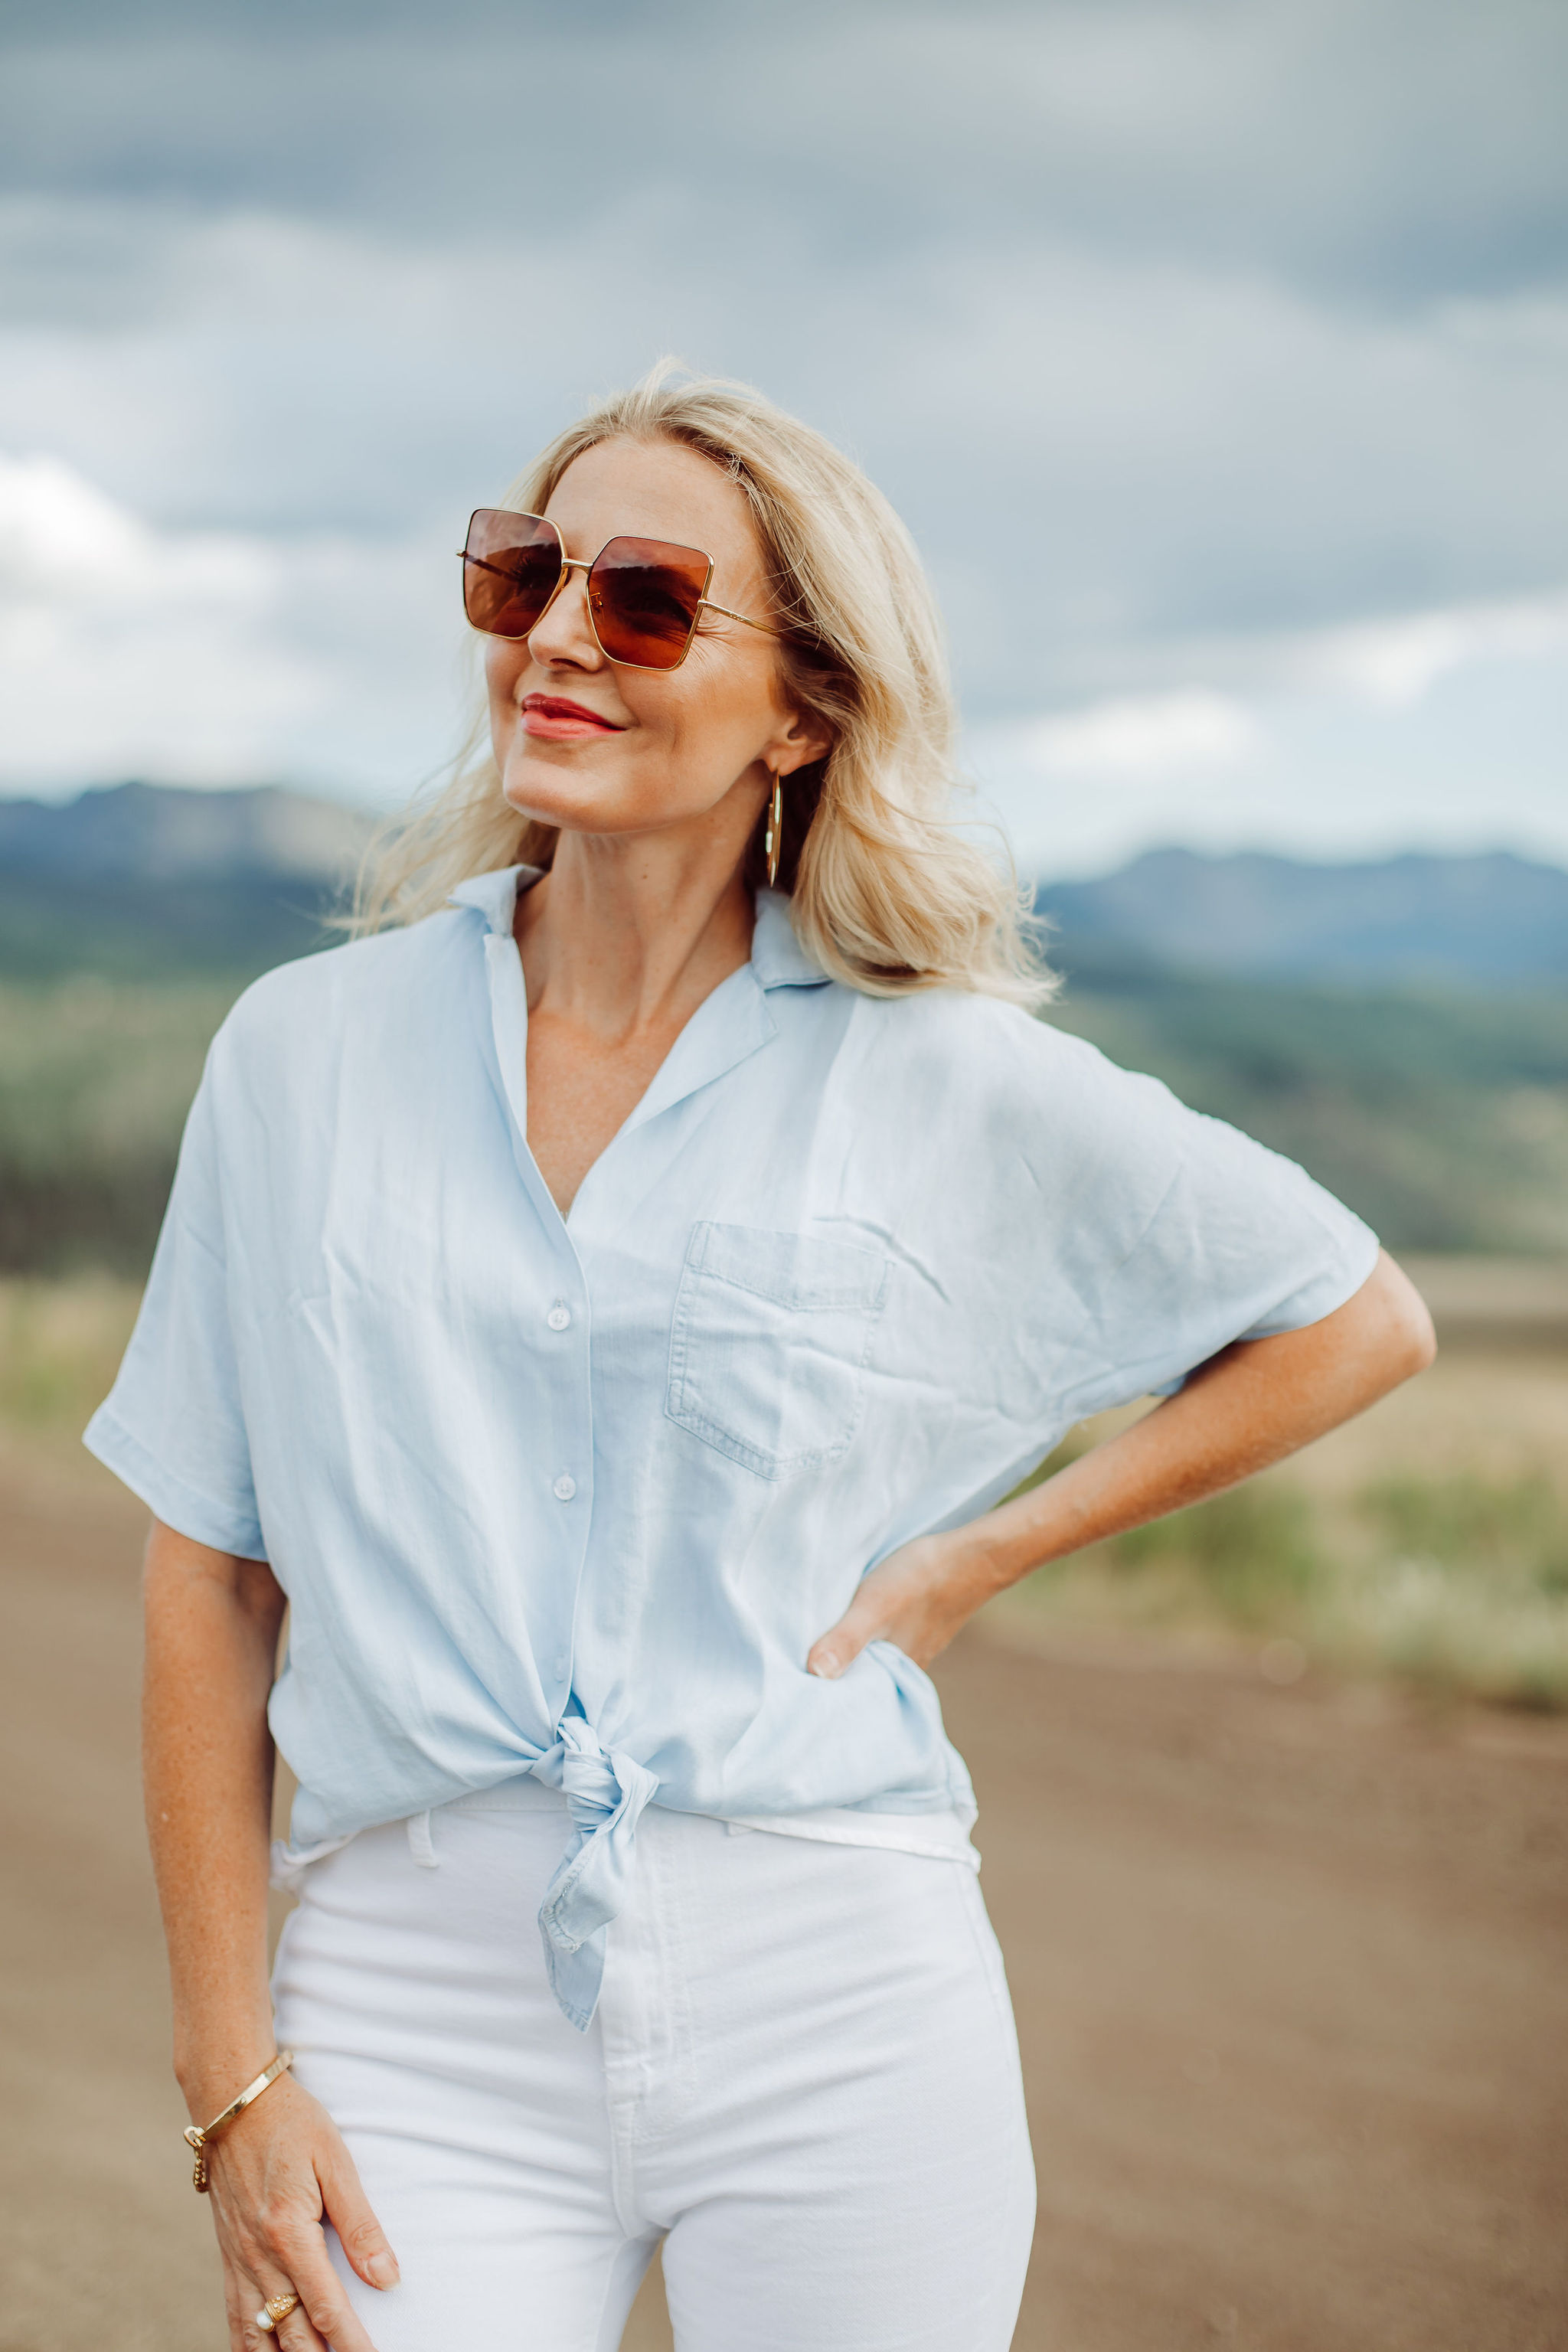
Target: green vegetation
column 1441, row 1120
column 142, row 929
column 1456, row 1585
column 95, row 1081
column 60, row 1345
column 1253, row 1553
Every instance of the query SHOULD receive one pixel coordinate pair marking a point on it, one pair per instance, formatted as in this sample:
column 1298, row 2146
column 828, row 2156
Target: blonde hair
column 884, row 892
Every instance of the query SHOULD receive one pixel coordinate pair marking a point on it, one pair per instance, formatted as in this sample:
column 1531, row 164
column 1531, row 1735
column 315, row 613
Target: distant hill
column 1401, row 1028
column 1493, row 922
column 132, row 880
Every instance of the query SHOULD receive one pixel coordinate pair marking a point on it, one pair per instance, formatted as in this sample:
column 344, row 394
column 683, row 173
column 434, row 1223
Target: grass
column 1442, row 1121
column 60, row 1345
column 95, row 1081
column 1456, row 1585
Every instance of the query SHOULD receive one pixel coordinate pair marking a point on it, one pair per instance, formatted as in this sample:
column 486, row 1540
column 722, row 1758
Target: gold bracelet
column 198, row 2135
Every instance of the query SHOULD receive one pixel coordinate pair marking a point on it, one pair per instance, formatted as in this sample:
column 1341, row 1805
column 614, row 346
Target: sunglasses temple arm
column 479, row 565
column 707, row 603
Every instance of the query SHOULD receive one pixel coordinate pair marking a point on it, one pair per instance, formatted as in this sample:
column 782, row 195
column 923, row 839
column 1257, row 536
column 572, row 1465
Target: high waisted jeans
column 802, row 2078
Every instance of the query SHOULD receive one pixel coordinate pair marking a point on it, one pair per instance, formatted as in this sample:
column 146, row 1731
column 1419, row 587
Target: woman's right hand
column 278, row 2175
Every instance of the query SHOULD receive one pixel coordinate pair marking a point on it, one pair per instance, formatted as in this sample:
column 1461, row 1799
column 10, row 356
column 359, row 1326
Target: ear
column 802, row 740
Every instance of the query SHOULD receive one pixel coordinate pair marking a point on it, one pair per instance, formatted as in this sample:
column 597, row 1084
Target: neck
column 629, row 933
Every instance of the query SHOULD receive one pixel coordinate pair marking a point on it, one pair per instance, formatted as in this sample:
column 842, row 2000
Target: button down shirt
column 573, row 1496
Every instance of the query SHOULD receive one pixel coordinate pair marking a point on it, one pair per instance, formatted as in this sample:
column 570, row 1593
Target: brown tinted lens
column 511, row 567
column 644, row 595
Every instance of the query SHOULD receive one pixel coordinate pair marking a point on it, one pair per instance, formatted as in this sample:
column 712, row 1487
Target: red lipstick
column 553, row 719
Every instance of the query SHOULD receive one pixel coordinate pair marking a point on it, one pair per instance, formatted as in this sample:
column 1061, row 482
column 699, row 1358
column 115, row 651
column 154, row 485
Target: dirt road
column 1288, row 1967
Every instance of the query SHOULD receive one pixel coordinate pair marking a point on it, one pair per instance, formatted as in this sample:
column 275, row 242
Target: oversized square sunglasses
column 644, row 595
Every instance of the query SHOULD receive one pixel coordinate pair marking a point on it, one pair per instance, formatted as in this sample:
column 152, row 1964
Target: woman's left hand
column 918, row 1599
column 1252, row 1404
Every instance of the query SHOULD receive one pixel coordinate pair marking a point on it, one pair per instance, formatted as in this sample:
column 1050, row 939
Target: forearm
column 1251, row 1405
column 212, row 1632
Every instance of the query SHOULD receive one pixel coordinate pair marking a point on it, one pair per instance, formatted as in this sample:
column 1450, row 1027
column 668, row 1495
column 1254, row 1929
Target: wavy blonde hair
column 883, row 889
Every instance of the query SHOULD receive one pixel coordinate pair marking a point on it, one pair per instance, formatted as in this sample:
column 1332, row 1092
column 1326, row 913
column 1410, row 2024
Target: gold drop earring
column 773, row 837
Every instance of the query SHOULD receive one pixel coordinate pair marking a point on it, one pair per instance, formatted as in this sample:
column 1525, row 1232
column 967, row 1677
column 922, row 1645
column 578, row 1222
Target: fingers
column 348, row 2208
column 246, row 2299
column 296, row 2334
column 842, row 1644
column 325, row 2315
column 323, row 2320
column 241, row 2301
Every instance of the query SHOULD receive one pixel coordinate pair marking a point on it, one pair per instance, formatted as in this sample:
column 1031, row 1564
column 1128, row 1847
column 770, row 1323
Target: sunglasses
column 644, row 595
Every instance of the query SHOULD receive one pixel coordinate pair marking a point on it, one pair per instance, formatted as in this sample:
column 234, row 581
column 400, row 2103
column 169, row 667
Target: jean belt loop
column 421, row 1844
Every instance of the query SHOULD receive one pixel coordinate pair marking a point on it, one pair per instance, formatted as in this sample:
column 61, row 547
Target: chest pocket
column 768, row 1344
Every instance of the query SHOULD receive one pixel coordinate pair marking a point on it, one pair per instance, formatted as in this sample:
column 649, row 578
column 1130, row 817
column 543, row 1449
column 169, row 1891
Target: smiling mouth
column 556, row 720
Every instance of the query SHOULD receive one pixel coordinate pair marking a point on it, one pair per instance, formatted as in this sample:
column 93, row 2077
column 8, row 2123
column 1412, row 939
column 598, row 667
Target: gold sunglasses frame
column 570, row 563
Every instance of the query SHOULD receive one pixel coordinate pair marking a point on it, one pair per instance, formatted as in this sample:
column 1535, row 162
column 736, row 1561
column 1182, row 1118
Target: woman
column 607, row 1304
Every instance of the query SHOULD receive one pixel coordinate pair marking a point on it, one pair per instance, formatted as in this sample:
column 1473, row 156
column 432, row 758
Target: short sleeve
column 173, row 1426
column 1242, row 1244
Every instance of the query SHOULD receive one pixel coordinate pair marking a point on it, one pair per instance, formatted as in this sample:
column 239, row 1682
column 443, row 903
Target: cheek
column 504, row 666
column 712, row 716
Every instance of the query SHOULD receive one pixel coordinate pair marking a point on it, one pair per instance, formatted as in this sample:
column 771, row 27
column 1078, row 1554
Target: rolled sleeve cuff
column 225, row 1526
column 1327, row 1289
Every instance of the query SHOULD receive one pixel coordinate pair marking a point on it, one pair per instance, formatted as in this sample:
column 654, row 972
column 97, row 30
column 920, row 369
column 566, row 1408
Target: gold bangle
column 198, row 2135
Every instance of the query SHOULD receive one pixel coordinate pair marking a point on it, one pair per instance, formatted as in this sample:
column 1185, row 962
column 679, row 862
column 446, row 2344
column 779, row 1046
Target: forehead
column 651, row 490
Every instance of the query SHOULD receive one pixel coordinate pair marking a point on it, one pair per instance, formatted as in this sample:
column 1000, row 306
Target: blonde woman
column 606, row 1305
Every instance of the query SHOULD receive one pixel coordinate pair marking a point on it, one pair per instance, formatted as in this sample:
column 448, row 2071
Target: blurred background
column 1217, row 357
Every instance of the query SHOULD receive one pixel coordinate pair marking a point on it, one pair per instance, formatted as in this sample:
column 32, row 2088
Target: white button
column 558, row 1316
column 565, row 1487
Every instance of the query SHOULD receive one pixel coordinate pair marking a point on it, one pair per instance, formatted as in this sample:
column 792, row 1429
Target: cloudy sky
column 1217, row 353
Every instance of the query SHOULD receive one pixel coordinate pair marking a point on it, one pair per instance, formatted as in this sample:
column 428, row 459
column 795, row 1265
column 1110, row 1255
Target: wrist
column 975, row 1562
column 215, row 2071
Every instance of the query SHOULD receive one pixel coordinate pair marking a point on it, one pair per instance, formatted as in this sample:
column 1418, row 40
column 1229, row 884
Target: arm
column 213, row 1622
column 1252, row 1404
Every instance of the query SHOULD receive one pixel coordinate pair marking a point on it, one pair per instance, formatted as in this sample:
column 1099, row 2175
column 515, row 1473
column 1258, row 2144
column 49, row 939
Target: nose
column 563, row 635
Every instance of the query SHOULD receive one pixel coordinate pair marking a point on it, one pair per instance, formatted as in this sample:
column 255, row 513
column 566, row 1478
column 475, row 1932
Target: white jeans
column 803, row 2077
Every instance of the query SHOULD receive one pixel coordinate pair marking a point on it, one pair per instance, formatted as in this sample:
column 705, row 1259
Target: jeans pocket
column 768, row 1344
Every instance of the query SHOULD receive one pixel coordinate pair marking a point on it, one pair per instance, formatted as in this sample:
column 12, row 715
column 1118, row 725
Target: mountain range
column 137, row 876
column 1492, row 922
column 1401, row 1028
column 136, row 880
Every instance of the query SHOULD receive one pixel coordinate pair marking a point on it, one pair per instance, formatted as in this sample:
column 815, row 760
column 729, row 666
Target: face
column 597, row 747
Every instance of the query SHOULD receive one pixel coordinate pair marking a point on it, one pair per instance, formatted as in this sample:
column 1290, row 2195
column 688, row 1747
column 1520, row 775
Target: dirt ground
column 1288, row 1967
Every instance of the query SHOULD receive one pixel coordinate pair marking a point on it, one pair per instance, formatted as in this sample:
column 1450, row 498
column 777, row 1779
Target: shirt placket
column 567, row 1471
column 607, row 1789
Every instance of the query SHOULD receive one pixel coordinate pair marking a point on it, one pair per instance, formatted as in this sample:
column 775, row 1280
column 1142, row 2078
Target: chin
column 566, row 793
column 552, row 799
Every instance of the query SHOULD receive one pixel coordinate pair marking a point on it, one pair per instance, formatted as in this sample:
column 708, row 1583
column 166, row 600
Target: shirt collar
column 495, row 895
column 778, row 959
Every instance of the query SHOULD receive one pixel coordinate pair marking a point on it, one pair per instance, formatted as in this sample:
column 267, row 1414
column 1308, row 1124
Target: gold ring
column 277, row 2312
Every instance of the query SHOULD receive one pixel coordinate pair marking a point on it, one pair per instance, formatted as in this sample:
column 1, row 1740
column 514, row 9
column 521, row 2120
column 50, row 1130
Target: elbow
column 1411, row 1336
column 1420, row 1342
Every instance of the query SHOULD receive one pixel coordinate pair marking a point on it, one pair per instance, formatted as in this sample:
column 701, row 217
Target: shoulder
column 980, row 1045
column 337, row 982
column 372, row 998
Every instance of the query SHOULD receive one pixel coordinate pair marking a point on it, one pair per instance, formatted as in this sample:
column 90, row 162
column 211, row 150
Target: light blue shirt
column 574, row 1498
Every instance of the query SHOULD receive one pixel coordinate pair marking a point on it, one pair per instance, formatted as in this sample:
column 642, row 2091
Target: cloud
column 1398, row 662
column 1405, row 149
column 1445, row 728
column 205, row 658
column 1215, row 355
column 1154, row 735
column 1098, row 458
